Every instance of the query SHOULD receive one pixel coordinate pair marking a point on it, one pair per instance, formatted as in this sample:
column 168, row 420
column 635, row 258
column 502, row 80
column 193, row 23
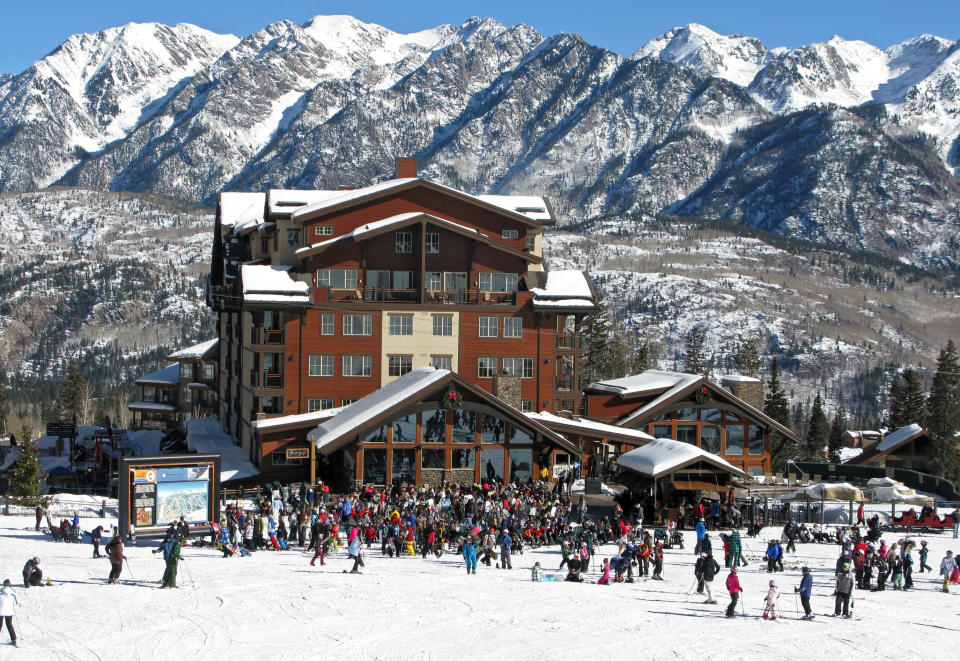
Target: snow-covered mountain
column 693, row 122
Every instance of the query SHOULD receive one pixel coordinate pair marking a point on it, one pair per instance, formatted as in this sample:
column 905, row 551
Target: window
column 486, row 367
column 404, row 242
column 347, row 401
column 710, row 439
column 432, row 457
column 293, row 238
column 710, row 415
column 320, row 365
column 435, row 426
column 209, row 371
column 327, row 326
column 687, row 434
column 375, row 466
column 337, row 279
column 403, row 279
column 686, row 414
column 433, row 281
column 323, row 230
column 404, row 465
column 490, row 281
column 488, row 326
column 734, row 439
column 522, row 367
column 526, row 405
column 432, row 242
column 530, row 242
column 442, row 362
column 492, row 463
column 662, row 431
column 280, row 459
column 756, row 439
column 463, row 428
column 492, row 429
column 464, row 458
column 319, row 404
column 358, row 324
column 454, row 281
column 399, row 365
column 377, row 435
column 733, row 417
column 510, row 234
column 521, row 465
column 264, row 246
column 513, row 326
column 356, row 365
column 378, row 279
column 401, row 324
column 443, row 324
column 405, row 429
column 272, row 405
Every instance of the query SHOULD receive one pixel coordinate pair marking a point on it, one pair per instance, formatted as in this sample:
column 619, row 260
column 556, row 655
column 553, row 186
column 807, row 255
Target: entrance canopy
column 664, row 457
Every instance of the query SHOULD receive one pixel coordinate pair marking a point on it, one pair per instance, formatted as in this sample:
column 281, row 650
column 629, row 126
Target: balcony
column 266, row 336
column 266, row 380
column 413, row 296
column 566, row 383
column 569, row 343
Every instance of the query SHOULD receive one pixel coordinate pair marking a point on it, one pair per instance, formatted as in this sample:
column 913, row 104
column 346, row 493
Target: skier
column 7, row 601
column 860, row 518
column 32, row 575
column 172, row 556
column 95, row 536
column 708, row 570
column 658, row 561
column 773, row 552
column 733, row 587
column 39, row 512
column 353, row 550
column 844, row 589
column 770, row 601
column 924, row 553
column 469, row 552
column 805, row 590
column 506, row 542
column 114, row 550
column 947, row 566
column 701, row 530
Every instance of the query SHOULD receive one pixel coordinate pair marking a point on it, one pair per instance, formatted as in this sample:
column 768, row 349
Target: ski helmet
column 36, row 560
column 773, row 583
column 805, row 570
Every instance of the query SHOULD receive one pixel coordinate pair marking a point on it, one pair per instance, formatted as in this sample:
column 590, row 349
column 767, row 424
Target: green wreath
column 702, row 395
column 452, row 401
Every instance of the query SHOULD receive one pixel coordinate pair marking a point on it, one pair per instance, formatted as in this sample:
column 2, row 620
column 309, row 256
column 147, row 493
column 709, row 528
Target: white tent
column 826, row 491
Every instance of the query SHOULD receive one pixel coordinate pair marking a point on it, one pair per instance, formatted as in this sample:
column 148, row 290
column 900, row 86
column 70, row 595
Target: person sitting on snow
column 536, row 573
column 770, row 602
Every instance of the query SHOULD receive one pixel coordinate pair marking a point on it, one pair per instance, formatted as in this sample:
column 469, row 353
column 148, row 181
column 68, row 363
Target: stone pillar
column 507, row 388
column 746, row 388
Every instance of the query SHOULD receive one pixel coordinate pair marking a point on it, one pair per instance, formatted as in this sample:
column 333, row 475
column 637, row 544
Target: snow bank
column 578, row 487
column 206, row 436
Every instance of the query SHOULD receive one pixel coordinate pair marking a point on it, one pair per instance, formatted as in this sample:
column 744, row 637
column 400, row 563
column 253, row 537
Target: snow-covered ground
column 276, row 604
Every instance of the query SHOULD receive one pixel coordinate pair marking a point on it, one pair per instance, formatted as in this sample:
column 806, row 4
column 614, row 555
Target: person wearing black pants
column 805, row 590
column 844, row 589
column 7, row 601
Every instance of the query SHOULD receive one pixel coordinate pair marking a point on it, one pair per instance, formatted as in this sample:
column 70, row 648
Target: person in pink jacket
column 733, row 587
column 605, row 578
column 770, row 602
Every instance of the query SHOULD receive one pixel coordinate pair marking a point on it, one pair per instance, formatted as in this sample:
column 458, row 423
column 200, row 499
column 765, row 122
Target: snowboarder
column 770, row 601
column 8, row 599
column 844, row 589
column 114, row 550
column 805, row 590
column 172, row 555
column 947, row 566
column 32, row 575
column 733, row 587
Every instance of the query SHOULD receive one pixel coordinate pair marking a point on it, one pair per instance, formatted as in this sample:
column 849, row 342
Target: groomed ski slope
column 274, row 605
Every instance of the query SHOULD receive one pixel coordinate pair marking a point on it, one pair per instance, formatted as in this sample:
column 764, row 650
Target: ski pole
column 187, row 567
column 127, row 564
column 796, row 607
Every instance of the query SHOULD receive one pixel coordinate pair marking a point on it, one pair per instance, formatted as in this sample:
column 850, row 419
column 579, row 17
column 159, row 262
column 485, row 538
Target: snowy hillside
column 487, row 107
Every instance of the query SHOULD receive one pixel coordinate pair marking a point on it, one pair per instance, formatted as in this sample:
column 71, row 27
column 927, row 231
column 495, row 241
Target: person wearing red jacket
column 733, row 587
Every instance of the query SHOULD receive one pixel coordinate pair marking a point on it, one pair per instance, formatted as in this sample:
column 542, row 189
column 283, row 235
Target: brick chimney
column 406, row 168
column 746, row 388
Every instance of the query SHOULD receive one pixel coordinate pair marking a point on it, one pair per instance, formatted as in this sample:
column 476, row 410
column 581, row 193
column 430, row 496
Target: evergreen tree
column 26, row 478
column 896, row 406
column 746, row 359
column 835, row 441
column 595, row 335
column 642, row 361
column 3, row 402
column 694, row 361
column 73, row 393
column 943, row 412
column 915, row 401
column 776, row 406
column 818, row 431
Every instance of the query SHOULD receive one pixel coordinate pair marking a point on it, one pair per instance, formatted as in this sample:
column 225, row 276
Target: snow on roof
column 206, row 435
column 151, row 406
column 282, row 200
column 890, row 441
column 682, row 382
column 169, row 375
column 739, row 378
column 564, row 284
column 546, row 418
column 239, row 208
column 267, row 279
column 196, row 352
column 305, row 418
column 376, row 225
column 563, row 303
column 375, row 403
column 826, row 491
column 648, row 381
column 663, row 455
column 342, row 197
column 531, row 206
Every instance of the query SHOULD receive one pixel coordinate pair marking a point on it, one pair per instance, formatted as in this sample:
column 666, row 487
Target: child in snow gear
column 708, row 569
column 658, row 562
column 805, row 590
column 947, row 566
column 733, row 587
column 605, row 578
column 32, row 575
column 536, row 573
column 172, row 555
column 353, row 550
column 924, row 552
column 470, row 555
column 95, row 536
column 844, row 589
column 7, row 601
column 770, row 601
column 114, row 550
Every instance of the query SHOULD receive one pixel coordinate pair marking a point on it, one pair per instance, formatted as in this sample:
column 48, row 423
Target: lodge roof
column 197, row 351
column 664, row 456
column 888, row 445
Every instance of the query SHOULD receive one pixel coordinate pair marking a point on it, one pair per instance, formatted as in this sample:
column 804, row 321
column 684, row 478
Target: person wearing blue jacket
column 773, row 552
column 715, row 514
column 470, row 555
column 805, row 590
column 701, row 530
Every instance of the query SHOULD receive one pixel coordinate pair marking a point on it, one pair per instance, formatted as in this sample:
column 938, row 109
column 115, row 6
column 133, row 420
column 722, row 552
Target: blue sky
column 29, row 30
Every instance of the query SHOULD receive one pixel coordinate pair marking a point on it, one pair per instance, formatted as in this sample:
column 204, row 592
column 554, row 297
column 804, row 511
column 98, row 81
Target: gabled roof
column 240, row 208
column 377, row 407
column 168, row 376
column 263, row 283
column 346, row 199
column 664, row 456
column 197, row 351
column 889, row 444
column 570, row 289
column 591, row 428
column 385, row 225
column 297, row 420
column 671, row 387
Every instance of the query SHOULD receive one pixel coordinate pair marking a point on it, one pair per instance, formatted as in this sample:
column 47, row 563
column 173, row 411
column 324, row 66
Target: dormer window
column 323, row 230
column 510, row 234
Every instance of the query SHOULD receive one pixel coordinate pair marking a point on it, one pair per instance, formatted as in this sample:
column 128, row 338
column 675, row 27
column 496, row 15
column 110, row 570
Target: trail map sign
column 157, row 491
